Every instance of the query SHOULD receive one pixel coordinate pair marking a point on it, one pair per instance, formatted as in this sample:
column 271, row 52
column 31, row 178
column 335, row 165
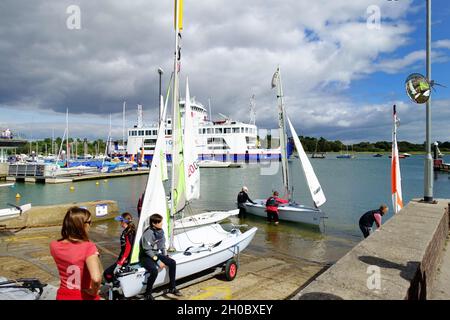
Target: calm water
column 352, row 186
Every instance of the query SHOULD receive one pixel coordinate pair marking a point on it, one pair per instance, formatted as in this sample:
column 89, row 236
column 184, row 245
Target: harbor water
column 352, row 186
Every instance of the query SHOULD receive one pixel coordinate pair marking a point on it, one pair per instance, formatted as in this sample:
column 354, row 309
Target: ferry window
column 227, row 130
column 246, row 130
column 218, row 130
column 141, row 132
column 204, row 131
column 169, row 121
column 148, row 132
column 242, row 130
column 199, row 131
column 210, row 130
column 169, row 132
column 235, row 130
column 155, row 132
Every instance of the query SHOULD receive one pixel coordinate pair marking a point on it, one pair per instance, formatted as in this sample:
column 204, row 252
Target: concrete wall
column 3, row 169
column 397, row 262
column 44, row 216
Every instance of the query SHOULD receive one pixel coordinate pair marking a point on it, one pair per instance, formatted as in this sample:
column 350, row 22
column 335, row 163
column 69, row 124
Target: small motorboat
column 14, row 212
column 378, row 155
column 21, row 289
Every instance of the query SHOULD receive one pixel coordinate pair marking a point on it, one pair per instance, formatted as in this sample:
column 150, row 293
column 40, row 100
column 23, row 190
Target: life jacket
column 271, row 202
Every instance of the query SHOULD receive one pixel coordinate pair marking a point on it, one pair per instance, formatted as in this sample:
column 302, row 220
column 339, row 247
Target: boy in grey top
column 153, row 255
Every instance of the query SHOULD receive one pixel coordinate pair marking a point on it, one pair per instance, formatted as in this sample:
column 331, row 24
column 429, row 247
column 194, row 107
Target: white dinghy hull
column 222, row 246
column 289, row 212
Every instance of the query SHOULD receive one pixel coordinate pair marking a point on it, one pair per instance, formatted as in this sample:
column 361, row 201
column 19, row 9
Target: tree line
column 310, row 144
column 79, row 146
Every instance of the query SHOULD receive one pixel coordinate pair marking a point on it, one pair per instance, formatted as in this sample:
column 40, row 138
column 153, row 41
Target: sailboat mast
column 283, row 138
column 175, row 114
column 67, row 137
column 209, row 108
column 123, row 125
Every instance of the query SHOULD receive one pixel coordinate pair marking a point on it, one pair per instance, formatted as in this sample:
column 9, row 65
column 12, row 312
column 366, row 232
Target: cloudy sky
column 341, row 70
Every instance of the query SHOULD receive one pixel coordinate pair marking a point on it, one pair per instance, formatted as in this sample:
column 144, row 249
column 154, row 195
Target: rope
column 189, row 208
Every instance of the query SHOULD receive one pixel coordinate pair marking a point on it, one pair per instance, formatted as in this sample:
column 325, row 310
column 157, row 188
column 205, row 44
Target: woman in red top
column 77, row 258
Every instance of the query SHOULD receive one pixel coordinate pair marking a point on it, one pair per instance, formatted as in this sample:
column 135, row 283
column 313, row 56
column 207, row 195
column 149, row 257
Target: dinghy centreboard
column 293, row 211
column 194, row 250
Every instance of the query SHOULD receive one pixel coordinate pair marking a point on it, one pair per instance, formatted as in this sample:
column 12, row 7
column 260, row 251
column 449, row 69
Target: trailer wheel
column 231, row 269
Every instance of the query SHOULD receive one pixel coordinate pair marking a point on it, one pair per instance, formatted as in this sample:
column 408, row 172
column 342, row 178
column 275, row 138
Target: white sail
column 396, row 180
column 311, row 178
column 155, row 200
column 191, row 166
column 276, row 82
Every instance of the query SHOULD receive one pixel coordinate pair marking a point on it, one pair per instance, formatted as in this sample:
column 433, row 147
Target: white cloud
column 442, row 44
column 230, row 51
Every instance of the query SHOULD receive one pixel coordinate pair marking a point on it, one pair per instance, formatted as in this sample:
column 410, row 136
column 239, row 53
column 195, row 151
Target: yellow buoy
column 72, row 188
column 106, row 180
column 97, row 183
column 18, row 196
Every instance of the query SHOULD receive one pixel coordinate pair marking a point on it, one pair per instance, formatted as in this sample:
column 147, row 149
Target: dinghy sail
column 396, row 181
column 191, row 166
column 155, row 200
column 292, row 211
column 313, row 183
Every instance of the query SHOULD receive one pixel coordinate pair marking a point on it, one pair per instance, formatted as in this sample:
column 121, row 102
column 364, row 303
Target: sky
column 342, row 68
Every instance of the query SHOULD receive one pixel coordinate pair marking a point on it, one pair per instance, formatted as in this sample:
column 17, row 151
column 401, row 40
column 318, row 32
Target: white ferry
column 225, row 140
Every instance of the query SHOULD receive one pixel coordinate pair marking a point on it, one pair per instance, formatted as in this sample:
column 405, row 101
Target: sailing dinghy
column 293, row 211
column 194, row 250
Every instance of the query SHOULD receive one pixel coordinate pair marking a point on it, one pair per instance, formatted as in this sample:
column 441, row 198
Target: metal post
column 428, row 178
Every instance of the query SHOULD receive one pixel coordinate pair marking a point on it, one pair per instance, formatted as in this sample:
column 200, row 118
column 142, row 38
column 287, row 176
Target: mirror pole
column 428, row 178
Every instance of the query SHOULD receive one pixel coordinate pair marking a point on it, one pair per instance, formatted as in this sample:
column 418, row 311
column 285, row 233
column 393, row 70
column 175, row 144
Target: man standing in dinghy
column 242, row 198
column 153, row 256
column 272, row 204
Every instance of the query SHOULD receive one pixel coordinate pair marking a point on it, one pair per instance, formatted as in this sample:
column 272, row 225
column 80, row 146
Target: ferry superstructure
column 224, row 140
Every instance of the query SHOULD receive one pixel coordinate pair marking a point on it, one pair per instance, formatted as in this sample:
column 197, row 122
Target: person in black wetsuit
column 126, row 244
column 242, row 198
column 367, row 219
